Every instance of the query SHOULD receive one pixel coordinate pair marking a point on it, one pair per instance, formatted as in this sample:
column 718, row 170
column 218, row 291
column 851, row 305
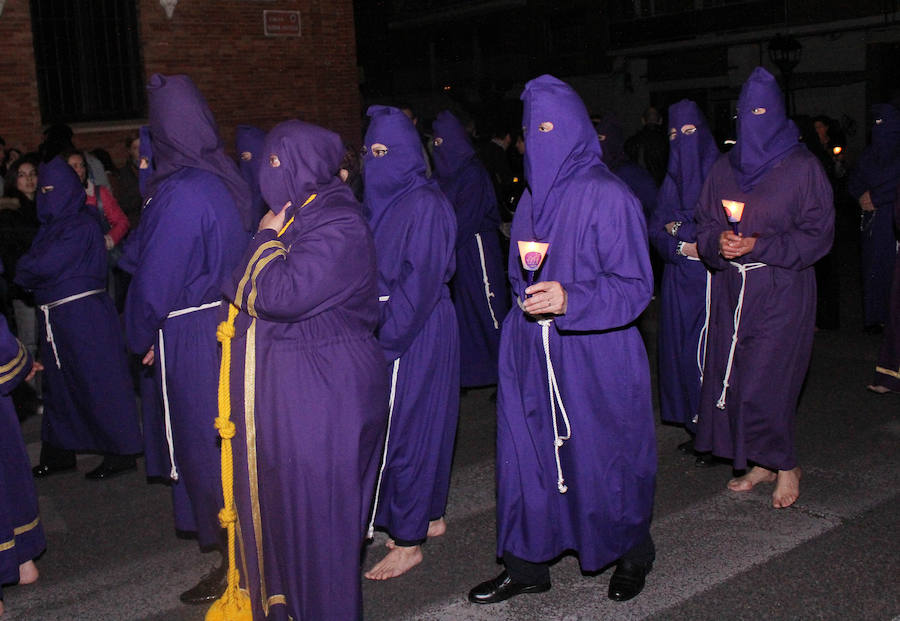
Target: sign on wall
column 281, row 23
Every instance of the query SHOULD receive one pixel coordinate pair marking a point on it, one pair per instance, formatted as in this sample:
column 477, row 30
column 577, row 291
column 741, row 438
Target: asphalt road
column 112, row 553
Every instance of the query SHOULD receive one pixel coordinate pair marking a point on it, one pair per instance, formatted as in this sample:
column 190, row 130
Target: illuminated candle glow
column 532, row 254
column 733, row 210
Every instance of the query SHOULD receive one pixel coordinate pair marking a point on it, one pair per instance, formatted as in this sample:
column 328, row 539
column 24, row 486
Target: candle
column 532, row 254
column 733, row 210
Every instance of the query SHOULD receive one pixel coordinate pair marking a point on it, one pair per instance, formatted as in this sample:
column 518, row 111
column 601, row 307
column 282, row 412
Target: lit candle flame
column 837, row 150
column 733, row 209
column 532, row 254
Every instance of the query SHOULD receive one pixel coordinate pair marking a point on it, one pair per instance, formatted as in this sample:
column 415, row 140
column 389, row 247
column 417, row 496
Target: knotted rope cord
column 743, row 268
column 45, row 308
column 234, row 605
column 487, row 283
column 555, row 396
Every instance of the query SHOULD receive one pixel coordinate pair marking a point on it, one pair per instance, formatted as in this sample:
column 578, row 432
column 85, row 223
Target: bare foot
column 28, row 572
column 757, row 474
column 878, row 389
column 787, row 488
column 436, row 528
column 396, row 563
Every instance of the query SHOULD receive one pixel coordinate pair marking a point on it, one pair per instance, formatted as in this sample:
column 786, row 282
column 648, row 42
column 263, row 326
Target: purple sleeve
column 15, row 363
column 621, row 291
column 664, row 243
column 50, row 256
column 711, row 222
column 314, row 274
column 473, row 200
column 809, row 236
column 170, row 236
column 427, row 251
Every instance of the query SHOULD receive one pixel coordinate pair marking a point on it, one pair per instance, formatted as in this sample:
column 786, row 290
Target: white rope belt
column 743, row 268
column 704, row 333
column 173, row 473
column 555, row 396
column 487, row 282
column 45, row 308
column 394, row 371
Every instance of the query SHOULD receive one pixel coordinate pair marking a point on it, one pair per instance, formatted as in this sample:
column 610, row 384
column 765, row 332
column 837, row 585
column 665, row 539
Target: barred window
column 88, row 60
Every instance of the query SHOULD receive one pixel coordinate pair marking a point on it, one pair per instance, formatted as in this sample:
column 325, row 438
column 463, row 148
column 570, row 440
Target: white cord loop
column 555, row 396
column 487, row 283
column 173, row 473
column 743, row 268
column 45, row 308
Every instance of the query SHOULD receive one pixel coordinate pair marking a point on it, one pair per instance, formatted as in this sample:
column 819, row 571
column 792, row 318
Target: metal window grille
column 88, row 60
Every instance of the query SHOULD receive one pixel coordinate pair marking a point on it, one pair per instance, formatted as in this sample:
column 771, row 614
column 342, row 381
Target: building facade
column 257, row 62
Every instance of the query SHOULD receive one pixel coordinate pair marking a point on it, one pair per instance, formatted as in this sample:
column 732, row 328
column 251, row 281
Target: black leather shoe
column 104, row 472
column 42, row 471
column 686, row 447
column 705, row 460
column 627, row 581
column 502, row 588
column 210, row 588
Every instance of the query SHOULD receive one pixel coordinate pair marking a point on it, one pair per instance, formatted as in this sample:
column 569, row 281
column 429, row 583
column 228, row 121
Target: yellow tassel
column 234, row 605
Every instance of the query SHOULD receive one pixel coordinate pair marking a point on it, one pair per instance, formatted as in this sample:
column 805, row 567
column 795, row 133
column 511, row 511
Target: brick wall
column 246, row 77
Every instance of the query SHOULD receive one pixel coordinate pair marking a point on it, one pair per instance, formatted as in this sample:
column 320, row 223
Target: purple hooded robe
column 635, row 176
column 309, row 391
column 153, row 426
column 479, row 284
column 682, row 311
column 747, row 407
column 606, row 448
column 248, row 141
column 88, row 397
column 887, row 370
column 878, row 173
column 193, row 231
column 415, row 231
column 21, row 532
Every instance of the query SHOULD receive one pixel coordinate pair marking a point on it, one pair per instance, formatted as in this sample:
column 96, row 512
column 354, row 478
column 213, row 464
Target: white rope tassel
column 704, row 334
column 486, row 280
column 396, row 367
column 743, row 268
column 173, row 473
column 555, row 397
column 45, row 308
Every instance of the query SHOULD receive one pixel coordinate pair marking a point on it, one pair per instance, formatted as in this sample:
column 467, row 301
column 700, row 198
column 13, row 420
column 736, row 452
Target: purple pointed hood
column 248, row 141
column 452, row 148
column 145, row 161
column 612, row 141
column 559, row 141
column 764, row 133
column 185, row 135
column 399, row 171
column 298, row 160
column 60, row 193
column 692, row 151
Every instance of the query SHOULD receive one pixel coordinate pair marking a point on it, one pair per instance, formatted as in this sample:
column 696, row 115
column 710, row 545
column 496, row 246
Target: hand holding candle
column 733, row 211
column 546, row 298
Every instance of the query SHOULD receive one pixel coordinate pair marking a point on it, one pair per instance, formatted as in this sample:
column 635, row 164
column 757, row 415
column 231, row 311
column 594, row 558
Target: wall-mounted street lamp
column 785, row 52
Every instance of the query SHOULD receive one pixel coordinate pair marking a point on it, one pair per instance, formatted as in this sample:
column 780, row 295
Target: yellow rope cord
column 234, row 605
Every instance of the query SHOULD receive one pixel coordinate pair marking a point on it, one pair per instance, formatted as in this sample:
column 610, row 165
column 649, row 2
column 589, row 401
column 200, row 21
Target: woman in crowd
column 308, row 383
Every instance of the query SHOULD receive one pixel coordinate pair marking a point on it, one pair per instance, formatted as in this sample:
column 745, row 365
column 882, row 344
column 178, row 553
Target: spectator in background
column 248, row 141
column 125, row 186
column 649, row 147
column 873, row 183
column 58, row 138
